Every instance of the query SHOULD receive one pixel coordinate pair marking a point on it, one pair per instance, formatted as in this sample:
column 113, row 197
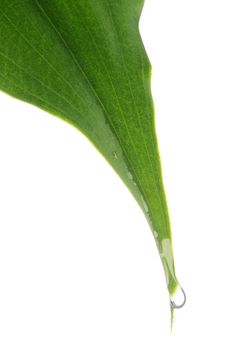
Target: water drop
column 167, row 257
column 115, row 155
column 155, row 234
column 178, row 299
column 145, row 205
column 130, row 176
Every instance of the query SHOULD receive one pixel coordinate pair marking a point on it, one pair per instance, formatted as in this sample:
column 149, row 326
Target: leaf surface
column 84, row 61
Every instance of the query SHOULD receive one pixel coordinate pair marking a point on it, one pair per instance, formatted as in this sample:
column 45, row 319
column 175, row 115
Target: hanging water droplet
column 178, row 299
column 115, row 155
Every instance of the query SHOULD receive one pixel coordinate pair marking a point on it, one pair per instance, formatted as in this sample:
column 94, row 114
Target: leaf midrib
column 96, row 94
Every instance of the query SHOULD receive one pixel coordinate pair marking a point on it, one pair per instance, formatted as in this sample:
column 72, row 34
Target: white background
column 78, row 265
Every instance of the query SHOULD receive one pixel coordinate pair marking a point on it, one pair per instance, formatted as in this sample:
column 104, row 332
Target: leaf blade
column 86, row 63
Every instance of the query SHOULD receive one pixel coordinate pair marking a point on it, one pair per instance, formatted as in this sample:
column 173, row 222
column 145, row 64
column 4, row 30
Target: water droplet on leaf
column 115, row 155
column 178, row 299
column 145, row 205
column 130, row 176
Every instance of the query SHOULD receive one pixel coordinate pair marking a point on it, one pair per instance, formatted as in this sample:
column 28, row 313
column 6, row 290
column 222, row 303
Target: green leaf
column 84, row 61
